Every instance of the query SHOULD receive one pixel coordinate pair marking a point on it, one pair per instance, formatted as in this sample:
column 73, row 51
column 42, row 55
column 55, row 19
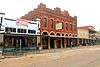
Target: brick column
column 38, row 41
column 78, row 42
column 26, row 41
column 41, row 42
column 68, row 42
column 61, row 43
column 55, row 43
column 12, row 41
column 48, row 42
column 65, row 43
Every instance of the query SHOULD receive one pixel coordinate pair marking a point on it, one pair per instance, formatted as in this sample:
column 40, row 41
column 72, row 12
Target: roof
column 9, row 19
column 90, row 28
column 2, row 13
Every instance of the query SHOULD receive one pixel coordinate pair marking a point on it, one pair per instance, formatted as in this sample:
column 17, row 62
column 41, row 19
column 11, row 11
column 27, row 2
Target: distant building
column 98, row 37
column 86, row 35
column 58, row 28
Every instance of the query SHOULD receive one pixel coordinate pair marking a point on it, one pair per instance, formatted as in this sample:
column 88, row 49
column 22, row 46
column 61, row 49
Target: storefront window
column 32, row 31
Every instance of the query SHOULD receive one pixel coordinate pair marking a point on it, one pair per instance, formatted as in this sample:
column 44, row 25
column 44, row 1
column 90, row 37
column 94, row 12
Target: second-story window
column 13, row 29
column 8, row 29
column 37, row 17
column 32, row 31
column 45, row 22
column 21, row 30
column 52, row 23
column 74, row 27
column 32, row 19
column 71, row 27
column 66, row 26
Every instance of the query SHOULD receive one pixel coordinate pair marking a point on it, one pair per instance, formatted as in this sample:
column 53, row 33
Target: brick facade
column 49, row 19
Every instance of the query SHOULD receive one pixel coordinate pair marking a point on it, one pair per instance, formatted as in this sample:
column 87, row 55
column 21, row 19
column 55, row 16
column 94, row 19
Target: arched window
column 71, row 27
column 37, row 17
column 62, row 34
column 45, row 22
column 32, row 19
column 52, row 23
column 58, row 34
column 66, row 26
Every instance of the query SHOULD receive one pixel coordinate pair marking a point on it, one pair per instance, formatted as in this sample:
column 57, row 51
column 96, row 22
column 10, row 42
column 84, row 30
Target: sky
column 87, row 11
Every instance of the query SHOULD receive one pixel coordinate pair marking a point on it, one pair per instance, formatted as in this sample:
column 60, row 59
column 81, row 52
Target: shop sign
column 58, row 26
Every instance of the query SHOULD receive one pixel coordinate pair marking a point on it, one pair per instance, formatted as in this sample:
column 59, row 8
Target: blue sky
column 87, row 11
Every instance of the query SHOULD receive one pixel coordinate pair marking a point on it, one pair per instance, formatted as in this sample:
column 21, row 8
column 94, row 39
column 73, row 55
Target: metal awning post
column 20, row 45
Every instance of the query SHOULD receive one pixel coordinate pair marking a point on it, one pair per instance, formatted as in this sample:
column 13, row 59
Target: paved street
column 80, row 57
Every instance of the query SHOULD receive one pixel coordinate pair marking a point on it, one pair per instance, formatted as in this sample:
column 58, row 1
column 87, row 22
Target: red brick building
column 58, row 28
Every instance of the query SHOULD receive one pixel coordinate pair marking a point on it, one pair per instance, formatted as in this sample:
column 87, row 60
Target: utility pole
column 1, row 19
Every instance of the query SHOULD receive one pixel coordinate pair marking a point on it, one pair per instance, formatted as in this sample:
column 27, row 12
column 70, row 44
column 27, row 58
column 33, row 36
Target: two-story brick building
column 58, row 28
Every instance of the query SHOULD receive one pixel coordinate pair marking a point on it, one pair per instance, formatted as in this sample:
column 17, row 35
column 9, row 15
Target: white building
column 19, row 33
column 20, row 26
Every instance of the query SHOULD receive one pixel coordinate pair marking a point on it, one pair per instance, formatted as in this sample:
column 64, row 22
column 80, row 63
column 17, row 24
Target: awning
column 87, row 38
column 10, row 34
column 62, row 36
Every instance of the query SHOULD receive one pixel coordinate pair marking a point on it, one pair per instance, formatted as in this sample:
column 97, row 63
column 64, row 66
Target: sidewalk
column 61, row 49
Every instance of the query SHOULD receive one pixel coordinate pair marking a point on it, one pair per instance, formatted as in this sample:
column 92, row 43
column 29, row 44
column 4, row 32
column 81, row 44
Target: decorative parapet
column 65, row 13
column 41, row 6
column 56, row 10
